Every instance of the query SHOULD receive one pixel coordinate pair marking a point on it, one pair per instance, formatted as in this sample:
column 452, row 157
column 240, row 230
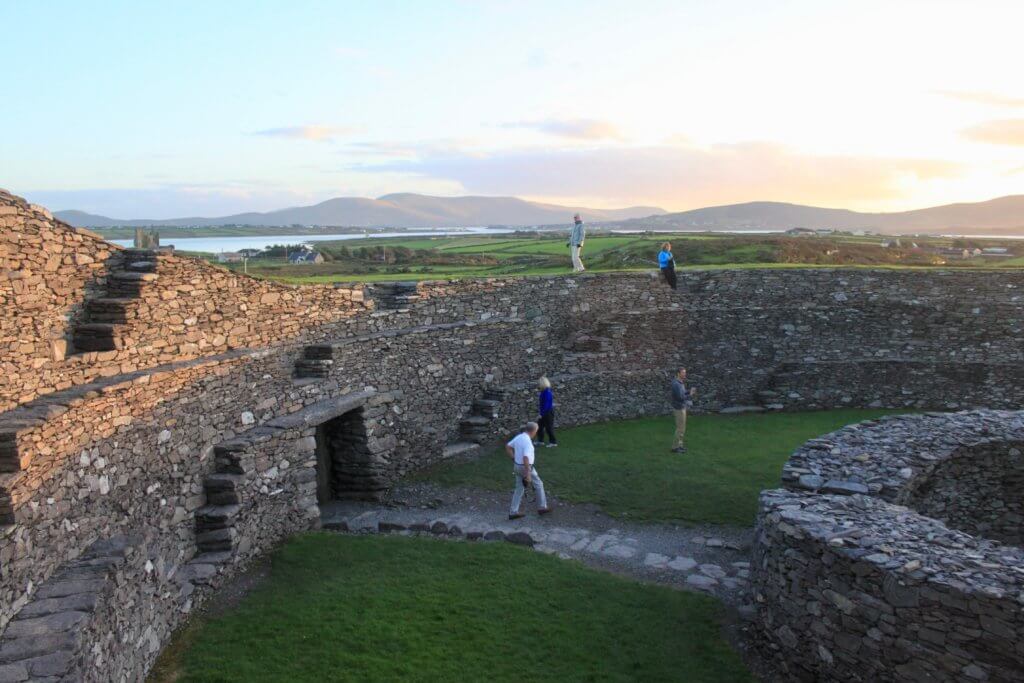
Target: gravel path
column 709, row 559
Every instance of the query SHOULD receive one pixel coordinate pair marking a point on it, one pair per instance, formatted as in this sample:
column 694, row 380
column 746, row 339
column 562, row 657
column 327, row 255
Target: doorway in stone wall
column 343, row 466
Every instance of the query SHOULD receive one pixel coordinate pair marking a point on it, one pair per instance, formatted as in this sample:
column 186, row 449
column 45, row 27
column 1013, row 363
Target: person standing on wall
column 682, row 399
column 520, row 449
column 576, row 239
column 667, row 263
column 546, row 410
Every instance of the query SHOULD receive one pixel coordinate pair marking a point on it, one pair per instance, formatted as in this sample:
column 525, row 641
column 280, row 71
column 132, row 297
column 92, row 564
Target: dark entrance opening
column 343, row 462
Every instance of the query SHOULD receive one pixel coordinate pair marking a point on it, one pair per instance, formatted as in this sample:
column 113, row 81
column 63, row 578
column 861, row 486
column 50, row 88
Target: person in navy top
column 667, row 264
column 546, row 408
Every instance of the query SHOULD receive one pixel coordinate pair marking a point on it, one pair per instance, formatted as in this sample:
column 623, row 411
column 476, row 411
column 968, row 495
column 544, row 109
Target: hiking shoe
column 678, row 449
column 543, row 511
column 516, row 515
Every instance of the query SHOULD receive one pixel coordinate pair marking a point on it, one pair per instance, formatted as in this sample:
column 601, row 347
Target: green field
column 628, row 470
column 471, row 256
column 343, row 608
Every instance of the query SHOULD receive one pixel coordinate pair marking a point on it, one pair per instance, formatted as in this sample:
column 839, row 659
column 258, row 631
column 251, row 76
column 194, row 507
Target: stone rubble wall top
column 892, row 456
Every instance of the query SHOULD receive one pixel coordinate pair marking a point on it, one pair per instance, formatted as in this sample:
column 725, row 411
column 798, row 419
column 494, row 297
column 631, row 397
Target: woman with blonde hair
column 667, row 263
column 546, row 405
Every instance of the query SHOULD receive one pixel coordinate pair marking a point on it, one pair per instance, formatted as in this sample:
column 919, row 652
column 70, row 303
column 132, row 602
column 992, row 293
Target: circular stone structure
column 893, row 552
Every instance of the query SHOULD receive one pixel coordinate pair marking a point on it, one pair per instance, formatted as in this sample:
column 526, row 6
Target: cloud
column 315, row 132
column 978, row 97
column 680, row 175
column 998, row 132
column 410, row 150
column 579, row 129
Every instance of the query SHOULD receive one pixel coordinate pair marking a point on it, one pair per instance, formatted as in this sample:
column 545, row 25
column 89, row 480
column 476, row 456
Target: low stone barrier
column 872, row 568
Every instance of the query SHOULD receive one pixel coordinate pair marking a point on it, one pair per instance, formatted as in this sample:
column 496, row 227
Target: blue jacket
column 577, row 235
column 546, row 401
column 665, row 259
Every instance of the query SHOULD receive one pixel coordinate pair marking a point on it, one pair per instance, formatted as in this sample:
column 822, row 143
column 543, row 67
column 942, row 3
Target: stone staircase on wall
column 104, row 326
column 478, row 426
column 316, row 361
column 216, row 537
column 394, row 296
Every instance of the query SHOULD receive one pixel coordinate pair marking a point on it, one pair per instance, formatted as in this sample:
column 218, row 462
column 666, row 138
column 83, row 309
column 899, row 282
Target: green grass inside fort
column 340, row 608
column 627, row 469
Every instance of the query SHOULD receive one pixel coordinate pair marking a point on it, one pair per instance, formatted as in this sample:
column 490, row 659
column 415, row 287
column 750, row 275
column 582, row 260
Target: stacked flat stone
column 884, row 561
column 137, row 435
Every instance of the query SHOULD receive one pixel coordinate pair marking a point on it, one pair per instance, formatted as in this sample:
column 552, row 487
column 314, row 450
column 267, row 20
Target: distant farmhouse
column 810, row 232
column 305, row 257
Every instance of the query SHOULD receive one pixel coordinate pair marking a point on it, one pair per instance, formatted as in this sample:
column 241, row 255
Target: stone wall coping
column 891, row 456
column 895, row 539
column 34, row 413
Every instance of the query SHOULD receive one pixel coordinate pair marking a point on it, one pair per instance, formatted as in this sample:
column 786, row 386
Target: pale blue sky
column 165, row 109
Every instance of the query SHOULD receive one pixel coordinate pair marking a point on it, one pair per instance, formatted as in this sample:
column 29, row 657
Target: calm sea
column 216, row 245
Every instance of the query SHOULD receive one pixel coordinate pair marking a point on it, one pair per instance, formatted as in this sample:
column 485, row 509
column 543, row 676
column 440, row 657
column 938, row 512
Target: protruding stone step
column 318, row 352
column 210, row 517
column 494, row 394
column 474, row 428
column 217, row 557
column 223, row 488
column 309, row 367
column 141, row 266
column 217, row 540
column 133, row 276
column 230, row 458
column 110, row 310
column 125, row 283
column 459, row 448
column 99, row 337
column 486, row 408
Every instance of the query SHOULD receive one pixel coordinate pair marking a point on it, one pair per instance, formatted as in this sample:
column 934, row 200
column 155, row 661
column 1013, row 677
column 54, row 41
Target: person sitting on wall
column 682, row 399
column 546, row 408
column 520, row 449
column 575, row 244
column 667, row 263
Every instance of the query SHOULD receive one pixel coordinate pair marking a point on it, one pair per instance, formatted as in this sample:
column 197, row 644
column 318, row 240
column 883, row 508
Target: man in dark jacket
column 682, row 398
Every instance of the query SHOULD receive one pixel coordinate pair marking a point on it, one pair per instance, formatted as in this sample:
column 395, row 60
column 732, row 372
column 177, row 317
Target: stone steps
column 99, row 337
column 223, row 488
column 111, row 310
column 215, row 530
column 313, row 367
column 393, row 296
column 42, row 641
column 487, row 408
column 129, row 284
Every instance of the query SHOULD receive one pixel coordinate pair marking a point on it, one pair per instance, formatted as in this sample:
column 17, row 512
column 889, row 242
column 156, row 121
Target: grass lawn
column 628, row 470
column 342, row 608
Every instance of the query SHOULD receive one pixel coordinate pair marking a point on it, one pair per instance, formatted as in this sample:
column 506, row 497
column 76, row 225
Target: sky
column 159, row 110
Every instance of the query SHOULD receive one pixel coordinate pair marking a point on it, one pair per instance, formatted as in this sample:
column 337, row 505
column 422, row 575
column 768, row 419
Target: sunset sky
column 206, row 108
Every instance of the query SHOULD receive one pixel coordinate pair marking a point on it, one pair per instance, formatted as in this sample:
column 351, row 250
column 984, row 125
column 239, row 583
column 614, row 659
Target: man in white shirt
column 520, row 449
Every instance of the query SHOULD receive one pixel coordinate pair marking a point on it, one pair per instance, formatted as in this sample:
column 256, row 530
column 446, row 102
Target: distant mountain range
column 393, row 210
column 997, row 216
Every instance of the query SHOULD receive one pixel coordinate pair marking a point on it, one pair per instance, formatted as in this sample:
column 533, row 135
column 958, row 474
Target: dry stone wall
column 195, row 434
column 895, row 555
